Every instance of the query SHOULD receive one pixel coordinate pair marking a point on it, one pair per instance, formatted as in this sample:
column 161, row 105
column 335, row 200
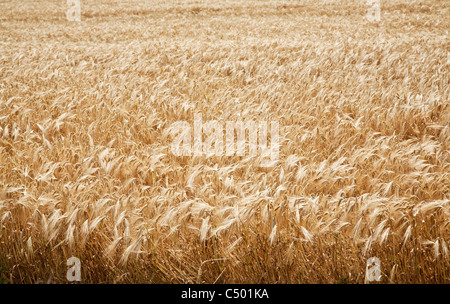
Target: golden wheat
column 86, row 169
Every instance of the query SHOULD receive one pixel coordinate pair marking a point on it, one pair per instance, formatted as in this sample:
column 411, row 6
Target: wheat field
column 86, row 168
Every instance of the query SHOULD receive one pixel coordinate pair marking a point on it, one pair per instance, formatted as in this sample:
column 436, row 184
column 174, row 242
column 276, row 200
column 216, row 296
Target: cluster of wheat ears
column 86, row 168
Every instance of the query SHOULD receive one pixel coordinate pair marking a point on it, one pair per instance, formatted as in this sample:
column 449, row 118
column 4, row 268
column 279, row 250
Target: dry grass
column 86, row 168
